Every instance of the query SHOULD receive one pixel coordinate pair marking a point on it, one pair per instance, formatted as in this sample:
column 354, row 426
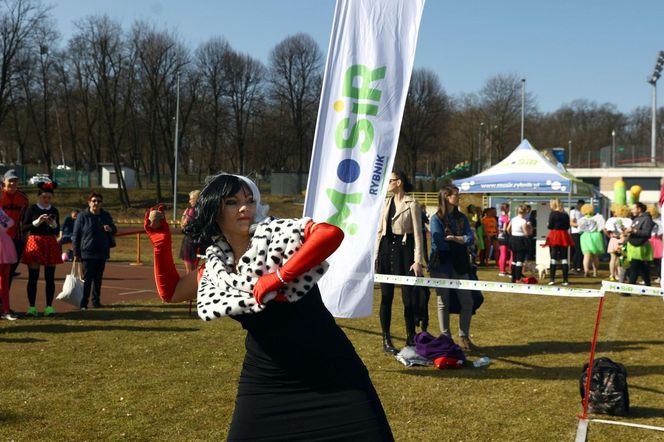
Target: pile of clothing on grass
column 440, row 352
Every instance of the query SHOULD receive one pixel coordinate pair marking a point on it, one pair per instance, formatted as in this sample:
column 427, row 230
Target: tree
column 243, row 95
column 38, row 82
column 159, row 60
column 210, row 61
column 295, row 78
column 18, row 21
column 107, row 66
column 466, row 140
column 588, row 125
column 425, row 114
column 500, row 100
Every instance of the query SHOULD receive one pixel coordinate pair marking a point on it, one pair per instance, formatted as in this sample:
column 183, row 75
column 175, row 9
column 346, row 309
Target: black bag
column 435, row 261
column 608, row 388
column 111, row 240
column 478, row 297
column 460, row 258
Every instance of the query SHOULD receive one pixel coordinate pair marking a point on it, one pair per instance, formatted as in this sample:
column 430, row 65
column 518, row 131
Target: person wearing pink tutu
column 559, row 241
column 7, row 259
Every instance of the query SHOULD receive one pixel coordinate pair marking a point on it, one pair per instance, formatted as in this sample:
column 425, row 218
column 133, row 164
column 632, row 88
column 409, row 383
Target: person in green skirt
column 592, row 242
column 639, row 250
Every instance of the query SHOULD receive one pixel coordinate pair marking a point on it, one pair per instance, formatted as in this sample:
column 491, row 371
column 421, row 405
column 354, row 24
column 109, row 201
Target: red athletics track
column 122, row 282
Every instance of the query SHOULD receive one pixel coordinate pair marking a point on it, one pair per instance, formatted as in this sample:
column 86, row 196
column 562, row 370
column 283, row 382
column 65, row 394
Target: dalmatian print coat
column 224, row 291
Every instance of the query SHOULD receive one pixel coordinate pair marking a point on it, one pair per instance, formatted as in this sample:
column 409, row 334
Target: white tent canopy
column 525, row 170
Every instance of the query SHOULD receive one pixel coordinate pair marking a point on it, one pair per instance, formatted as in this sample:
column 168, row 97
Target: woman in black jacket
column 92, row 240
column 639, row 250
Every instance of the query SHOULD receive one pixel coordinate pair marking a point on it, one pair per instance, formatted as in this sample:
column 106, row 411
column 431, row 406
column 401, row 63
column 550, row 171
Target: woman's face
column 192, row 200
column 45, row 198
column 453, row 198
column 237, row 213
column 394, row 183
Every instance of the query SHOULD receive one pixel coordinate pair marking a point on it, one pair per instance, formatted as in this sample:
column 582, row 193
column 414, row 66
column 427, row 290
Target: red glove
column 166, row 277
column 320, row 241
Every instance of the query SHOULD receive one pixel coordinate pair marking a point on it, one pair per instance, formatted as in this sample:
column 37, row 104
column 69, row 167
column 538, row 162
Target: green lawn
column 150, row 371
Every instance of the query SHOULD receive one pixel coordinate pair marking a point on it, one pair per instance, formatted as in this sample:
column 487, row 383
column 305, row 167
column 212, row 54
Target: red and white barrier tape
column 632, row 289
column 493, row 286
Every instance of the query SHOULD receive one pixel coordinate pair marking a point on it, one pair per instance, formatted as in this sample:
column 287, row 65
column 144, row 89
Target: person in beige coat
column 399, row 252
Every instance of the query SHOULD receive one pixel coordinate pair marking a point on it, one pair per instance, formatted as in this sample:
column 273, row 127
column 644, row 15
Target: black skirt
column 302, row 379
column 188, row 249
column 519, row 244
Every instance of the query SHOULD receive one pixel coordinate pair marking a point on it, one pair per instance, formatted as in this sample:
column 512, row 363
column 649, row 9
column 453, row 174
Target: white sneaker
column 8, row 317
column 565, row 283
column 552, row 282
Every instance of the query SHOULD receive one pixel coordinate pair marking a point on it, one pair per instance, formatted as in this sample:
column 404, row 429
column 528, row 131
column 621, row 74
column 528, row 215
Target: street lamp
column 569, row 148
column 175, row 147
column 656, row 73
column 613, row 148
column 523, row 106
column 479, row 148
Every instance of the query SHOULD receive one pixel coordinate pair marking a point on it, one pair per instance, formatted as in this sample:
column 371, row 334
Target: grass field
column 147, row 371
column 151, row 372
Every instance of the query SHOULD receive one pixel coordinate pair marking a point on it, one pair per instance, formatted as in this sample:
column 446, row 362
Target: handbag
column 111, row 241
column 72, row 289
column 478, row 297
column 435, row 261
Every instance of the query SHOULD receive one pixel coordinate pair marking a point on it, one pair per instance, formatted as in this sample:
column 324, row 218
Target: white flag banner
column 368, row 69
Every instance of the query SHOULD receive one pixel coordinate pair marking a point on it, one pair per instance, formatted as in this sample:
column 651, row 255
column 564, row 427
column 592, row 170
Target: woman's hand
column 155, row 224
column 458, row 239
column 268, row 283
column 416, row 268
column 155, row 218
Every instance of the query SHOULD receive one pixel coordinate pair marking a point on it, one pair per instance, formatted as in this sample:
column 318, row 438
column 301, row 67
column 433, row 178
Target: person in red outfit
column 295, row 352
column 558, row 240
column 14, row 203
column 42, row 222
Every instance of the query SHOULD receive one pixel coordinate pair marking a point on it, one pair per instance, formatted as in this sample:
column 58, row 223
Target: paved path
column 122, row 282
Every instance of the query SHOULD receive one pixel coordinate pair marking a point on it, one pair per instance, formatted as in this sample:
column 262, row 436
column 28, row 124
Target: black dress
column 302, row 379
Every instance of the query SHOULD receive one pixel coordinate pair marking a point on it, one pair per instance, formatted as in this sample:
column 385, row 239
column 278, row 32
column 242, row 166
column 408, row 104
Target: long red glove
column 320, row 241
column 166, row 276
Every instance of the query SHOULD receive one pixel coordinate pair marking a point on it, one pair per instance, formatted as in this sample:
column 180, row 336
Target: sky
column 601, row 51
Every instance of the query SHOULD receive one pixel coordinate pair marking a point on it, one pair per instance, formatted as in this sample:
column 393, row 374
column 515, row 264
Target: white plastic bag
column 72, row 289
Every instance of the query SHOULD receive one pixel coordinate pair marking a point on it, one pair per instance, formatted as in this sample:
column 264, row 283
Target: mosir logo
column 354, row 133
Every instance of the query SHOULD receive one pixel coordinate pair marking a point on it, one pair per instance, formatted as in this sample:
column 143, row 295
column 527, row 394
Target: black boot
column 552, row 274
column 410, row 339
column 410, row 328
column 514, row 272
column 388, row 347
column 565, row 274
column 517, row 271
